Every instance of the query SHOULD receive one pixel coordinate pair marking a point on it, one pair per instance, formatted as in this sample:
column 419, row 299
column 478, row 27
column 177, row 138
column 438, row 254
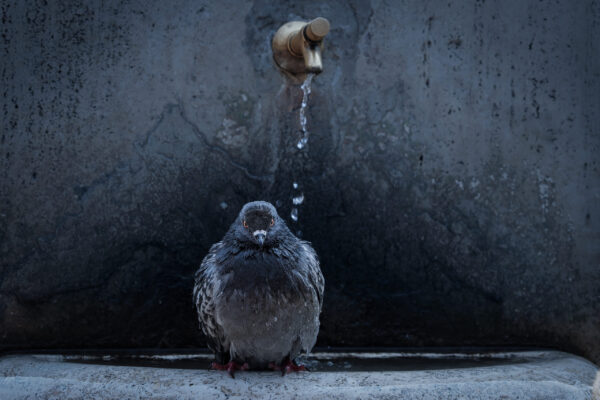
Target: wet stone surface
column 319, row 362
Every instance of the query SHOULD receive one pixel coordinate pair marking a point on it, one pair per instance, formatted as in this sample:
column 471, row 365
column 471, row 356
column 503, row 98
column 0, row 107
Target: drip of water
column 295, row 185
column 294, row 214
column 297, row 200
column 305, row 92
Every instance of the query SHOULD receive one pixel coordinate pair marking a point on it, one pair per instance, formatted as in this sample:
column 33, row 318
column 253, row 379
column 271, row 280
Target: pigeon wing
column 314, row 271
column 205, row 292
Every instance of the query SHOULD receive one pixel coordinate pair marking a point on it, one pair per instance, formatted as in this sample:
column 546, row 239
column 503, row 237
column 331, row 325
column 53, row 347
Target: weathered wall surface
column 452, row 181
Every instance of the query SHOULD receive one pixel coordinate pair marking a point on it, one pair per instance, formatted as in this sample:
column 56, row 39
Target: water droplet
column 223, row 205
column 294, row 214
column 278, row 203
column 298, row 199
column 302, row 142
column 295, row 185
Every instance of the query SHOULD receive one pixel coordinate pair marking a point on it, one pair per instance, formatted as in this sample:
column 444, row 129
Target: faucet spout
column 312, row 58
column 297, row 46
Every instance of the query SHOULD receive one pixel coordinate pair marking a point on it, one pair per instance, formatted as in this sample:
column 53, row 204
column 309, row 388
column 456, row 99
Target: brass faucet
column 297, row 46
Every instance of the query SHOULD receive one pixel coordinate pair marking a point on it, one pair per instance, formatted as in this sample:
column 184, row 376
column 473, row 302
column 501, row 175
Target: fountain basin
column 531, row 374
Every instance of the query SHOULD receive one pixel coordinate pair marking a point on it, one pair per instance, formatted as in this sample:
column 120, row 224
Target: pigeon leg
column 274, row 367
column 287, row 366
column 230, row 367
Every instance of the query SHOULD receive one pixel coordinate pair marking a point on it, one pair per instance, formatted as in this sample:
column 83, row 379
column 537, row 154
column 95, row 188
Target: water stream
column 306, row 87
column 298, row 196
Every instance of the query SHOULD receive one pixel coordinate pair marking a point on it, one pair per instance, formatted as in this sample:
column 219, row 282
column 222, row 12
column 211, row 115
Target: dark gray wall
column 452, row 180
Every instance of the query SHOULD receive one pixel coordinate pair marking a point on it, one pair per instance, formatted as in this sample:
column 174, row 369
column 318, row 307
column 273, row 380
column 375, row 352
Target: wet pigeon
column 259, row 293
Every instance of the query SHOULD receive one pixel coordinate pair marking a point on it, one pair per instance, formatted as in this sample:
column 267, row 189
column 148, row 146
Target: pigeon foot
column 287, row 366
column 230, row 367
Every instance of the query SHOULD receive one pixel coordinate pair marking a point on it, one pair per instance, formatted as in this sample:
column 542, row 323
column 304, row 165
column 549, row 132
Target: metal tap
column 297, row 46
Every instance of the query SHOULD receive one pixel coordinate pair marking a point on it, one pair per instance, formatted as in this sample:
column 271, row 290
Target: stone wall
column 451, row 178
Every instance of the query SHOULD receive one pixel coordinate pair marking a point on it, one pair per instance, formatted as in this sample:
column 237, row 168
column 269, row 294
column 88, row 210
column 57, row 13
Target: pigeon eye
column 272, row 221
column 245, row 224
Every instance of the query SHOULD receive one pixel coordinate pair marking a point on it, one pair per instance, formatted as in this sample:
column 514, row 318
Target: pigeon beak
column 260, row 236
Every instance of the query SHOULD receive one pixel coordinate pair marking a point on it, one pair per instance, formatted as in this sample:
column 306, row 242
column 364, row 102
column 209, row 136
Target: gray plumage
column 259, row 291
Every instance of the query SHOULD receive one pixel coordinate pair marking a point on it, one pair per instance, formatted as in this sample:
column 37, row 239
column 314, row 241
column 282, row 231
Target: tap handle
column 316, row 29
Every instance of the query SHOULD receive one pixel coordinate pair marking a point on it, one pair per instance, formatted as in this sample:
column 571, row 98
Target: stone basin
column 518, row 374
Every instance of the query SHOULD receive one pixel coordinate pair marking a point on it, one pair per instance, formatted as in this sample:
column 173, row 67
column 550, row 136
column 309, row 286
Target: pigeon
column 259, row 293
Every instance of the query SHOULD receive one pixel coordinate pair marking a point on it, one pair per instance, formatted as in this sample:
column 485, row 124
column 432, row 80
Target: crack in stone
column 210, row 146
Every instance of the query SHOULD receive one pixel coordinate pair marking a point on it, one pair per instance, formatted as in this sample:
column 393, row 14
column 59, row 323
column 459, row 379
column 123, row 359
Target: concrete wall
column 451, row 179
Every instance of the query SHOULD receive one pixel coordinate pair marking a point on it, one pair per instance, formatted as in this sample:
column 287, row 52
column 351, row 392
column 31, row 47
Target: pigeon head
column 258, row 224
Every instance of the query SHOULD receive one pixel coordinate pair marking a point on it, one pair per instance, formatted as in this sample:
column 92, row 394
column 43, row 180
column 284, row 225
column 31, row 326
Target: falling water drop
column 297, row 200
column 295, row 185
column 294, row 214
column 301, row 143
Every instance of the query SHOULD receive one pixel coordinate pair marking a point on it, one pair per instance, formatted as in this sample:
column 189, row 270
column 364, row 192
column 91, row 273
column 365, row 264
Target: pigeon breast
column 265, row 305
column 268, row 308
